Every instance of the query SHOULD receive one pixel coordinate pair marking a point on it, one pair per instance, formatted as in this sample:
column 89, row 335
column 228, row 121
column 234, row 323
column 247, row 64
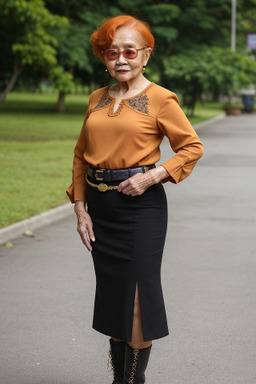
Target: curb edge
column 35, row 222
column 208, row 122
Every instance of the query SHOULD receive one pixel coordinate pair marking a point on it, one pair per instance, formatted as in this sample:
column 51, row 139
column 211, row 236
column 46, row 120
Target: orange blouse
column 131, row 136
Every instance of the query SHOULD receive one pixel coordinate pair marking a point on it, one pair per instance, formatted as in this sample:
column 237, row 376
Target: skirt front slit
column 130, row 234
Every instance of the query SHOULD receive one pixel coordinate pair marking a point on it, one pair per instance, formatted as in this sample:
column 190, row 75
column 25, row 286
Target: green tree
column 26, row 36
column 209, row 70
column 73, row 48
column 184, row 31
column 200, row 59
column 63, row 82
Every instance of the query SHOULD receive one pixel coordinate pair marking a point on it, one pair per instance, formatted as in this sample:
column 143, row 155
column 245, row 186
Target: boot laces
column 134, row 366
column 112, row 367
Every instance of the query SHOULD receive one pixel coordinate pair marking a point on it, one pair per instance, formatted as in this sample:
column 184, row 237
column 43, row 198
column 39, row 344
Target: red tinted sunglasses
column 128, row 53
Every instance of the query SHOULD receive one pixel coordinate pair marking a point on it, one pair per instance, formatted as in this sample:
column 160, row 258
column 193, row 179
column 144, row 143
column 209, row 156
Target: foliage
column 185, row 31
column 61, row 80
column 26, row 25
column 209, row 70
column 232, row 105
column 26, row 34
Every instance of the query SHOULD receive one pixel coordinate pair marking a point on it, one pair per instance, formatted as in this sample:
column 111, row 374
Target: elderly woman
column 119, row 199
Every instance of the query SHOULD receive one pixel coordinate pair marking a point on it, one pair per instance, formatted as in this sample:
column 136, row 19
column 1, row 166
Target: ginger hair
column 102, row 38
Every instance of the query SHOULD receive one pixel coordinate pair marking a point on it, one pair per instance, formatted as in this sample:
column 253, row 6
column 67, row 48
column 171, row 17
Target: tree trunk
column 189, row 101
column 61, row 102
column 216, row 95
column 17, row 69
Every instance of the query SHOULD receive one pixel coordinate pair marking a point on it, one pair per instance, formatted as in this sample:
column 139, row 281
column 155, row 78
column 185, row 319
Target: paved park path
column 209, row 278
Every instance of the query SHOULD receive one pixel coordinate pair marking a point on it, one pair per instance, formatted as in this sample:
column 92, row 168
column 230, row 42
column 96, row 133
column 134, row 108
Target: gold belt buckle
column 96, row 174
column 102, row 187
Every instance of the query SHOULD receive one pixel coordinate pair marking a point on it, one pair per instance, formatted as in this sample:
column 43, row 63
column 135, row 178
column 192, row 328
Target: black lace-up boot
column 136, row 361
column 117, row 360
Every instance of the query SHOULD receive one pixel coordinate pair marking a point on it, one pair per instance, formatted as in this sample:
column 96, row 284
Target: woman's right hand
column 84, row 225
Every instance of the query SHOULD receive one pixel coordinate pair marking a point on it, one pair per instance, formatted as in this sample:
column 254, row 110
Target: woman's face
column 124, row 69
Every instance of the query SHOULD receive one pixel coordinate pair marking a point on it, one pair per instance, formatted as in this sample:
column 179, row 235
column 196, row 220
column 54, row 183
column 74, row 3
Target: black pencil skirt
column 130, row 235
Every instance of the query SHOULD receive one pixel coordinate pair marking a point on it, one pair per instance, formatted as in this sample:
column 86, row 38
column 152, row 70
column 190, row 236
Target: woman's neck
column 123, row 88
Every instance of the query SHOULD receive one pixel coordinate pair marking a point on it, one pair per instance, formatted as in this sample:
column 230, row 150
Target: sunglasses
column 128, row 53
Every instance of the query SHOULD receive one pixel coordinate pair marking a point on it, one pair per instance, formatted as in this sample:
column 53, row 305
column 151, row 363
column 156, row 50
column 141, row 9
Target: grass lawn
column 206, row 111
column 36, row 151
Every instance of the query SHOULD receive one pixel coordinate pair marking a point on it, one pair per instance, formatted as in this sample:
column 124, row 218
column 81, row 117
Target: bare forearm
column 79, row 207
column 84, row 224
column 155, row 175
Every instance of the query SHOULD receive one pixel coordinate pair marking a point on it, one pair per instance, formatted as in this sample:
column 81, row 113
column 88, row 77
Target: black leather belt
column 109, row 175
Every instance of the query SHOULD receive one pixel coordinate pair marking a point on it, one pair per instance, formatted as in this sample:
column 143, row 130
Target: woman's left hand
column 137, row 184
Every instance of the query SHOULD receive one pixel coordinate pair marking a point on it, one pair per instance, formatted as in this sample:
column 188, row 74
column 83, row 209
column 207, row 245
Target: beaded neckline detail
column 138, row 103
column 104, row 101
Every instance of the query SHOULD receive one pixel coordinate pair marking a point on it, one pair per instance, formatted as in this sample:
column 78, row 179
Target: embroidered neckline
column 138, row 103
column 104, row 101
